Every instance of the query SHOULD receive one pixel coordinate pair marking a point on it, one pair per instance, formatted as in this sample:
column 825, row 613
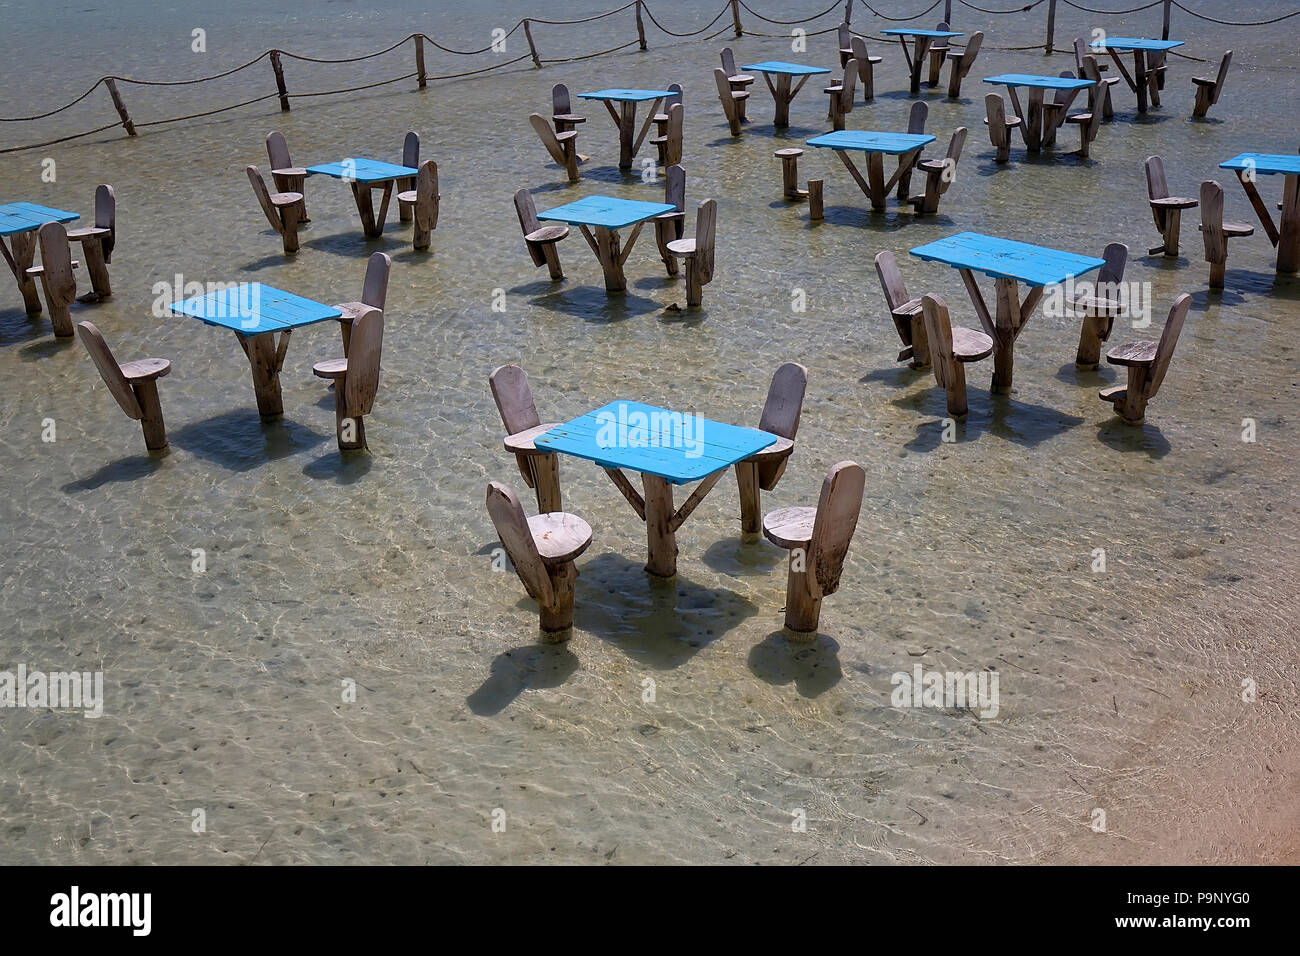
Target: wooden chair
column 1216, row 233
column 738, row 82
column 97, row 243
column 905, row 312
column 539, row 239
column 733, row 100
column 780, row 417
column 841, row 94
column 425, row 200
column 844, row 34
column 1147, row 363
column 669, row 144
column 542, row 549
column 939, row 50
column 950, row 350
column 670, row 226
column 916, row 117
column 661, row 119
column 939, row 174
column 541, row 470
column 356, row 379
column 55, row 272
column 1089, row 120
column 562, row 114
column 411, row 160
column 1104, row 83
column 866, row 67
column 287, row 177
column 1208, row 89
column 1053, row 108
column 789, row 157
column 818, row 540
column 698, row 253
column 563, row 147
column 962, row 62
column 1165, row 209
column 1100, row 306
column 134, row 385
column 374, row 292
column 282, row 210
column 1000, row 126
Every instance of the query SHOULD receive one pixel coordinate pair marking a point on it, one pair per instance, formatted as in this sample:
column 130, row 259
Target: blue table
column 782, row 92
column 1148, row 64
column 364, row 175
column 1009, row 263
column 629, row 141
column 1249, row 165
column 1039, row 125
column 256, row 313
column 606, row 215
column 21, row 220
column 668, row 448
column 922, row 40
column 906, row 146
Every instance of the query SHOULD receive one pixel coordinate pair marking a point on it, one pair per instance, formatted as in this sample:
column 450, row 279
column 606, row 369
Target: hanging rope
column 915, row 16
column 1016, row 10
column 788, row 23
column 1237, row 23
column 1113, row 13
column 664, row 29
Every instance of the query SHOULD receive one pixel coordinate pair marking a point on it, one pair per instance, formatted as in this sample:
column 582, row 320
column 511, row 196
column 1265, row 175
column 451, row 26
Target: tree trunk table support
column 365, row 176
column 1145, row 80
column 1249, row 166
column 784, row 90
column 622, row 106
column 921, row 40
column 20, row 222
column 906, row 146
column 599, row 218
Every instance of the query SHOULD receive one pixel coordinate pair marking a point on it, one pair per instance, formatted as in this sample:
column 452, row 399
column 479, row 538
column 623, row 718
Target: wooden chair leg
column 666, row 232
column 557, row 618
column 545, row 471
column 155, row 432
column 1202, row 106
column 1133, row 409
column 1089, row 352
column 571, row 159
column 351, row 429
column 816, row 208
column 60, row 317
column 920, row 343
column 694, row 288
column 802, row 609
column 954, row 383
column 345, row 330
column 1217, row 270
column 93, row 251
column 552, row 256
column 289, row 217
column 751, row 517
column 1172, row 218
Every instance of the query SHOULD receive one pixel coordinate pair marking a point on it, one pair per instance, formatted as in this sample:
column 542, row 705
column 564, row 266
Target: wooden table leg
column 922, row 48
column 20, row 260
column 365, row 206
column 751, row 518
column 876, row 179
column 626, row 132
column 1032, row 128
column 266, row 358
column 1007, row 322
column 382, row 215
column 781, row 96
column 611, row 259
column 661, row 537
column 1140, row 79
column 1288, row 246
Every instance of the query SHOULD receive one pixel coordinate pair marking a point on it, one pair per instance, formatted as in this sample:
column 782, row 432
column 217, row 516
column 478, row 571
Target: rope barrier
column 1237, row 23
column 1015, row 10
column 790, row 23
column 1112, row 13
column 664, row 29
column 915, row 16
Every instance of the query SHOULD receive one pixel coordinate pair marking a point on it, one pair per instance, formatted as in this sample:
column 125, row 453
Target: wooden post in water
column 947, row 13
column 816, row 211
column 735, row 17
column 532, row 47
column 1164, row 34
column 279, row 81
column 640, row 26
column 419, row 61
column 121, row 107
column 1051, row 25
column 848, row 11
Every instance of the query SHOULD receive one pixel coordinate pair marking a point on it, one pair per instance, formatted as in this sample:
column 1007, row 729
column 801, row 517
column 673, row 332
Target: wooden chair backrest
column 675, row 187
column 1080, row 51
column 362, row 380
column 1097, row 92
column 1212, row 205
column 996, row 111
column 706, row 224
column 845, row 36
column 938, row 331
column 724, row 92
column 56, row 260
column 527, row 214
column 1116, row 256
column 972, row 50
column 859, row 48
column 837, row 519
column 784, row 402
column 675, row 89
column 939, row 42
column 277, row 150
column 514, row 398
column 1059, row 96
column 955, row 146
column 916, row 118
column 891, row 280
column 560, row 100
column 547, row 135
column 375, row 289
column 729, row 62
column 109, row 370
column 426, row 193
column 411, row 150
column 1168, row 340
column 848, row 86
column 512, row 528
column 1157, row 185
column 675, row 133
column 1223, row 75
column 106, row 217
column 264, row 198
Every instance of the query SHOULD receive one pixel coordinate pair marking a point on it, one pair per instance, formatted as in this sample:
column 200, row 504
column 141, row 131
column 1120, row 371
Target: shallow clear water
column 1119, row 690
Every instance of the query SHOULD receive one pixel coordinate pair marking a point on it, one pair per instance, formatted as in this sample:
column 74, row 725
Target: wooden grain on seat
column 1133, row 353
column 521, row 443
column 145, row 370
column 559, row 537
column 789, row 527
column 970, row 345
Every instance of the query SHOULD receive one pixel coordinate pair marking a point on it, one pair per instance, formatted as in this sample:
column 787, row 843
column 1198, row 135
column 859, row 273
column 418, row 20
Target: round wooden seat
column 789, row 151
column 744, row 78
column 1091, row 305
column 145, row 370
column 560, row 537
column 37, row 271
column 790, row 527
column 547, row 234
column 1232, row 229
column 568, row 118
column 1081, row 118
column 1176, row 202
column 1134, row 353
column 775, row 451
column 408, row 195
column 289, row 171
column 837, row 88
column 681, row 247
column 89, row 232
column 931, row 165
column 521, row 443
column 351, row 310
column 567, row 135
column 330, row 368
column 970, row 345
column 675, row 214
column 285, row 199
column 740, row 94
column 1010, row 121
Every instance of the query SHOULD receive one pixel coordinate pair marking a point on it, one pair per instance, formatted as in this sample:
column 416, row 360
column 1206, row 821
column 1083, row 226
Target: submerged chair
column 282, row 210
column 939, row 50
column 539, row 239
column 1088, row 120
column 374, row 292
column 287, row 177
column 698, row 252
column 1100, row 307
column 939, row 174
column 562, row 114
column 669, row 142
column 844, row 33
column 962, row 62
column 55, row 272
column 1215, row 232
column 670, row 226
column 1104, row 83
column 1209, row 88
column 1147, row 363
column 818, row 540
column 1167, row 210
column 906, row 313
column 411, row 160
column 542, row 549
column 916, row 117
column 737, row 81
column 661, row 119
column 763, row 469
column 789, row 156
column 1000, row 125
column 97, row 243
column 841, row 94
column 541, row 470
column 950, row 350
column 733, row 100
column 134, row 385
column 563, row 147
column 424, row 200
column 356, row 379
column 866, row 67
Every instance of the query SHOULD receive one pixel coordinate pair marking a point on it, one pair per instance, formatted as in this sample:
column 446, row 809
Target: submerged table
column 782, row 92
column 21, row 220
column 1145, row 78
column 365, row 175
column 256, row 313
column 916, row 59
column 668, row 448
column 906, row 146
column 606, row 215
column 1009, row 263
column 1038, row 127
column 629, row 141
column 1287, row 240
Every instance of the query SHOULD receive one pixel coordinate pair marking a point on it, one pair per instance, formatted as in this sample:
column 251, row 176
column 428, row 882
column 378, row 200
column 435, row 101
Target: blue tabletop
column 871, row 142
column 777, row 66
column 363, row 170
column 1134, row 43
column 1042, row 82
column 625, row 96
column 18, row 217
column 1266, row 163
column 254, row 308
column 606, row 211
column 908, row 32
column 655, row 441
column 1007, row 259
